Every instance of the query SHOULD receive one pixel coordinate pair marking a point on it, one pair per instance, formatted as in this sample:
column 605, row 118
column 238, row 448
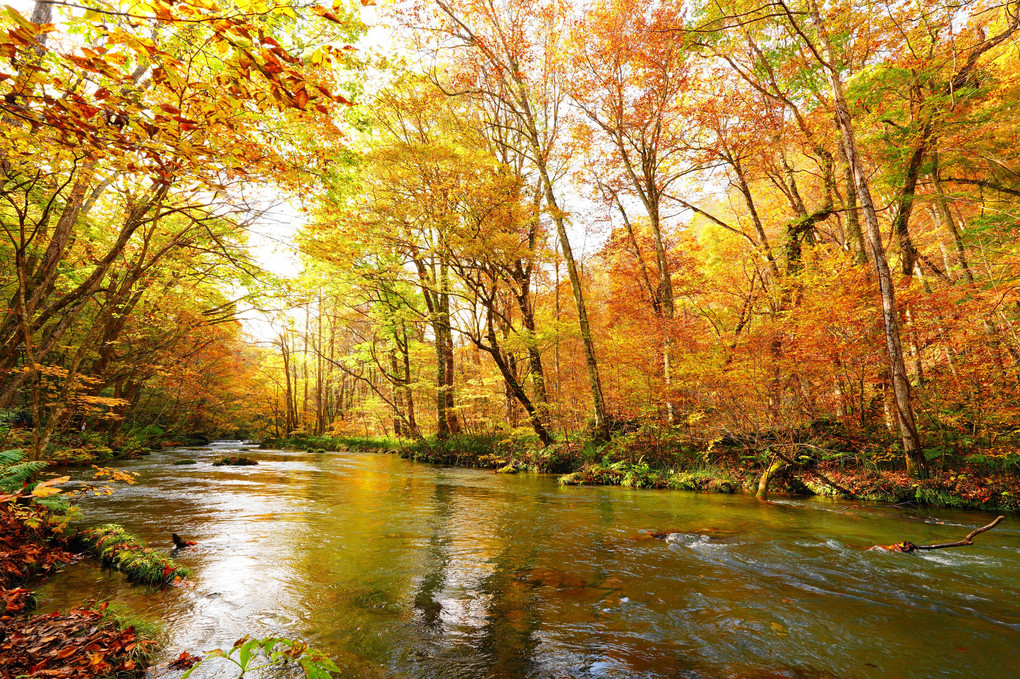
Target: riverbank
column 83, row 642
column 984, row 480
column 84, row 449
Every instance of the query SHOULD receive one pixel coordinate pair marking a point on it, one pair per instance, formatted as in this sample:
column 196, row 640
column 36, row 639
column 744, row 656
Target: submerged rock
column 235, row 460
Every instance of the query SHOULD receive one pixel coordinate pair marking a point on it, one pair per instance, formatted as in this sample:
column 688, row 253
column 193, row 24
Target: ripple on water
column 407, row 570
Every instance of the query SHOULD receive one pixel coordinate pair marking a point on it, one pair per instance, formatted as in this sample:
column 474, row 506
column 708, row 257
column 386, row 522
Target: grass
column 715, row 479
column 148, row 632
column 322, row 444
column 120, row 549
column 649, row 457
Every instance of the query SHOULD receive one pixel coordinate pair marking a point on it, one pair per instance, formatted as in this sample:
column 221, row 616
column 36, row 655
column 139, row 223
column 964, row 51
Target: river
column 400, row 569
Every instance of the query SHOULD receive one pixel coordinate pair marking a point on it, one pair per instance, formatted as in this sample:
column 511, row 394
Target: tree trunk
column 915, row 461
column 512, row 384
column 453, row 423
column 853, row 218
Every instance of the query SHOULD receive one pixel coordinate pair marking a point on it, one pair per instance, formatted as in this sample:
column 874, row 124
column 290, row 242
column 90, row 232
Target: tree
column 511, row 57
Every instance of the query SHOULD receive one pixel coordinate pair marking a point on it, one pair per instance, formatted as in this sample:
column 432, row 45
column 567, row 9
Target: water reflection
column 407, row 570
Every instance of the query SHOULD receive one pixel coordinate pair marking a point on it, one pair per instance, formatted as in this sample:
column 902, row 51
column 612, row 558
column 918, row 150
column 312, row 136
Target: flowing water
column 400, row 569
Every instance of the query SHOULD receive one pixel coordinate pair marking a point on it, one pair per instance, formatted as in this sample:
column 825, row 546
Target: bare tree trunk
column 915, row 461
column 601, row 428
column 408, row 390
column 853, row 219
column 398, row 393
column 446, row 355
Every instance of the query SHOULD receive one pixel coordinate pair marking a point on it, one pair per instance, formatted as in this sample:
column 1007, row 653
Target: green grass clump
column 620, row 473
column 186, row 460
column 121, row 550
column 713, row 480
column 938, row 498
column 148, row 635
column 365, row 444
column 321, row 444
column 594, row 474
column 641, row 475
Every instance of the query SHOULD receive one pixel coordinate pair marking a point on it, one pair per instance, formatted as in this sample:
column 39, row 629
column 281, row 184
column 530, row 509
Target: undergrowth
column 15, row 471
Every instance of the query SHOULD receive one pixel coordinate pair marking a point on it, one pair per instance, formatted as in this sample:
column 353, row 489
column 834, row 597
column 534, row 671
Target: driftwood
column 907, row 546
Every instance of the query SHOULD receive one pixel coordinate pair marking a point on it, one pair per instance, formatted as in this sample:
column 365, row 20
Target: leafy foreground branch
column 121, row 550
column 250, row 655
column 906, row 546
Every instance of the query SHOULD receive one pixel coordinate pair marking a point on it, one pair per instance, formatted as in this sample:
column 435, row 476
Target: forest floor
column 985, row 479
column 82, row 643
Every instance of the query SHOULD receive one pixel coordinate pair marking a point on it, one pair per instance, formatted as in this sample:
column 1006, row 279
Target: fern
column 14, row 472
column 9, row 457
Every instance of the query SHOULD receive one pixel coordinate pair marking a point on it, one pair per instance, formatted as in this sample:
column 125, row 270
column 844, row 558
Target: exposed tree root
column 825, row 479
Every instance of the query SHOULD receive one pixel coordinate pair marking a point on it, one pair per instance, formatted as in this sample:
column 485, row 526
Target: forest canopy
column 716, row 221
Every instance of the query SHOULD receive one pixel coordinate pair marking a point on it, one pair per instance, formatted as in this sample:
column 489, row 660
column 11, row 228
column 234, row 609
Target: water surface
column 400, row 569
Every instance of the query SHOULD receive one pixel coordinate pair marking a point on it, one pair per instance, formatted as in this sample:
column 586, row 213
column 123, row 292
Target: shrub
column 81, row 457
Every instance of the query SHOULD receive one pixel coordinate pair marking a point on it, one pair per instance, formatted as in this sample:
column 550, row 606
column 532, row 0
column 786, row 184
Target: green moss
column 120, row 549
column 186, row 460
column 235, row 461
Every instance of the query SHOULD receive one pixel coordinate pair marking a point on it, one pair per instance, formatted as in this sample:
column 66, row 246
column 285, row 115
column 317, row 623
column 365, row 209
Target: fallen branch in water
column 907, row 546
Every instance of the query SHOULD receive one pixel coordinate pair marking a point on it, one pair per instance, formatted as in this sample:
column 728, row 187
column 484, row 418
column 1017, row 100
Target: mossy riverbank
column 984, row 480
column 86, row 642
column 119, row 549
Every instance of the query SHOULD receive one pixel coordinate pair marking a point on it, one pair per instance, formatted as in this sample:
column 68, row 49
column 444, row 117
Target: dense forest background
column 805, row 218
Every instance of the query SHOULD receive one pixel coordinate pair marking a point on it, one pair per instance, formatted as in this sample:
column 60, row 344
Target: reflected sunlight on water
column 409, row 570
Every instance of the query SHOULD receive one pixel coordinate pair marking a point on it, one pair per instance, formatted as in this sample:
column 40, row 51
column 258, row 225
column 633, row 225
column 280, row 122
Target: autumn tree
column 119, row 146
column 510, row 54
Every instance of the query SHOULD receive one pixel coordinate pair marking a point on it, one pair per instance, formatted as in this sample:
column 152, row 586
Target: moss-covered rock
column 234, row 461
